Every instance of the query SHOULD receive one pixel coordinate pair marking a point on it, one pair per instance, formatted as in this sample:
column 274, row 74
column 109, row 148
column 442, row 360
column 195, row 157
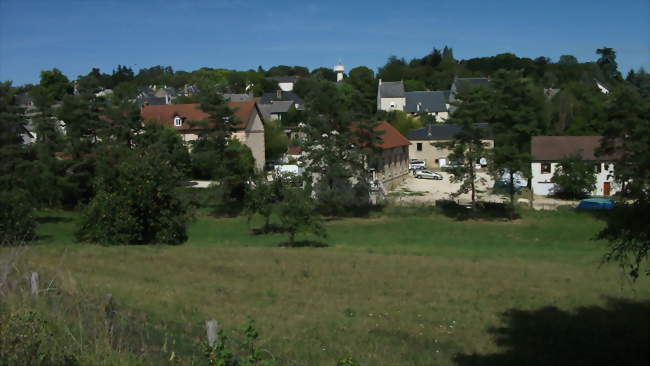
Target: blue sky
column 76, row 35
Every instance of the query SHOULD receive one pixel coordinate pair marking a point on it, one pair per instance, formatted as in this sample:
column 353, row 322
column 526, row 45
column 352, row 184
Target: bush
column 27, row 339
column 17, row 221
column 298, row 213
column 135, row 203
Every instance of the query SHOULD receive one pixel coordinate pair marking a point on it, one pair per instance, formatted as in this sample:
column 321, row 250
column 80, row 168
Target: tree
column 16, row 208
column 298, row 213
column 607, row 62
column 627, row 138
column 517, row 115
column 135, row 201
column 332, row 160
column 400, row 120
column 166, row 142
column 275, row 139
column 468, row 146
column 574, row 177
column 568, row 60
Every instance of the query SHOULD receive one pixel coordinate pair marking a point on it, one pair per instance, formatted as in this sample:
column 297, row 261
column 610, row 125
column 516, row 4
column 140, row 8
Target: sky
column 77, row 35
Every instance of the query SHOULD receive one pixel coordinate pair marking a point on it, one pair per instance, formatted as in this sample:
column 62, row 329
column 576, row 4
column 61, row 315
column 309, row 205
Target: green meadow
column 406, row 286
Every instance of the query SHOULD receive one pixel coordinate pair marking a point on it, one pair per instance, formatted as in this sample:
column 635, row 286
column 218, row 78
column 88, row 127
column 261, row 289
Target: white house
column 391, row 96
column 547, row 151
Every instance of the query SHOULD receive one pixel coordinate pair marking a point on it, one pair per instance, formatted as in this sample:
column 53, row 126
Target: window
column 419, row 146
column 597, row 167
column 178, row 121
column 392, row 105
column 606, row 166
column 546, row 168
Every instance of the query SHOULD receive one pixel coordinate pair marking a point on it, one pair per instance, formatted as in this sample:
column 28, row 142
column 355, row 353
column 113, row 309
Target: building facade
column 424, row 140
column 548, row 151
column 248, row 129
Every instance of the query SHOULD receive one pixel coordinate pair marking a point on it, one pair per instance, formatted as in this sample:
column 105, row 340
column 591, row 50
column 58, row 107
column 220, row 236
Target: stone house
column 395, row 156
column 548, row 151
column 249, row 128
column 423, row 142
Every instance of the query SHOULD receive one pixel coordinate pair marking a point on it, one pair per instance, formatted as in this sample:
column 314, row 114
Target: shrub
column 27, row 339
column 135, row 203
column 298, row 213
column 17, row 222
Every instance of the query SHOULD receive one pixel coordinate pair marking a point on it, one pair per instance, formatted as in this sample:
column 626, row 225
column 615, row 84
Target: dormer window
column 178, row 121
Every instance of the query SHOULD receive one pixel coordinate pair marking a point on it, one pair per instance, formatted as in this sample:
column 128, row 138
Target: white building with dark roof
column 548, row 151
column 391, row 96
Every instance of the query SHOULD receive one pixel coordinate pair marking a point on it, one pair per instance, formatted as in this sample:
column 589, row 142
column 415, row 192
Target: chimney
column 429, row 130
column 278, row 93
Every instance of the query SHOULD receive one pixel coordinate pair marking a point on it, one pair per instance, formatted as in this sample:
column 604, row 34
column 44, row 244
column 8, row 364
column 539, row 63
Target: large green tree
column 627, row 140
column 135, row 201
column 468, row 146
column 517, row 114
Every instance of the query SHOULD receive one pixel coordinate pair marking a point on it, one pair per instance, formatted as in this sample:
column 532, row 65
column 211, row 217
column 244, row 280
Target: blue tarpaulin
column 591, row 204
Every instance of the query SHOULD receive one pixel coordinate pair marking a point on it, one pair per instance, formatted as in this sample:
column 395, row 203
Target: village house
column 395, row 156
column 249, row 128
column 276, row 104
column 392, row 97
column 433, row 103
column 548, row 151
column 423, row 142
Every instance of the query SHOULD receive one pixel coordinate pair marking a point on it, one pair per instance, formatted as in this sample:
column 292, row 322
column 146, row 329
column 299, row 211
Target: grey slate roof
column 268, row 98
column 437, row 132
column 429, row 101
column 391, row 89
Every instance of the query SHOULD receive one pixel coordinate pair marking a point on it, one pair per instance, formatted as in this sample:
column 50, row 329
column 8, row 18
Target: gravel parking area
column 414, row 190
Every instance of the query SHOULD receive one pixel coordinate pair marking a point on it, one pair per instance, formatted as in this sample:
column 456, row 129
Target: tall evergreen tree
column 468, row 146
column 517, row 115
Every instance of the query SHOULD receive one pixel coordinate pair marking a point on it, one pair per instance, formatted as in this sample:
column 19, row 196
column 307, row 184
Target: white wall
column 385, row 104
column 542, row 181
column 286, row 86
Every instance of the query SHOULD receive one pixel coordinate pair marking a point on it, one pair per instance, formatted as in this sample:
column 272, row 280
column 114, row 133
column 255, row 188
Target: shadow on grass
column 491, row 211
column 268, row 229
column 304, row 244
column 616, row 334
column 52, row 219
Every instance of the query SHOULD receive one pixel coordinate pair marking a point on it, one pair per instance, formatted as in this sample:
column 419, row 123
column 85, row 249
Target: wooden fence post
column 211, row 328
column 109, row 311
column 34, row 284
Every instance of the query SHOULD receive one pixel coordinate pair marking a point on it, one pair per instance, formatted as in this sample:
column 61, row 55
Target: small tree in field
column 574, row 177
column 135, row 203
column 298, row 213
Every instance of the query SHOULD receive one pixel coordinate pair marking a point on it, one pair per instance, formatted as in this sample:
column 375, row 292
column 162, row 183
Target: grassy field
column 406, row 287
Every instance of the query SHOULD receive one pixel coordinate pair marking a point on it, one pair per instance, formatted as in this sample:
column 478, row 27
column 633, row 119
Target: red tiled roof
column 165, row 114
column 392, row 138
column 554, row 148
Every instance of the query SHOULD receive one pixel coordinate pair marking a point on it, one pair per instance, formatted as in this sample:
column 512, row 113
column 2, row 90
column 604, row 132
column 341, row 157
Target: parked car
column 417, row 164
column 428, row 174
column 595, row 204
